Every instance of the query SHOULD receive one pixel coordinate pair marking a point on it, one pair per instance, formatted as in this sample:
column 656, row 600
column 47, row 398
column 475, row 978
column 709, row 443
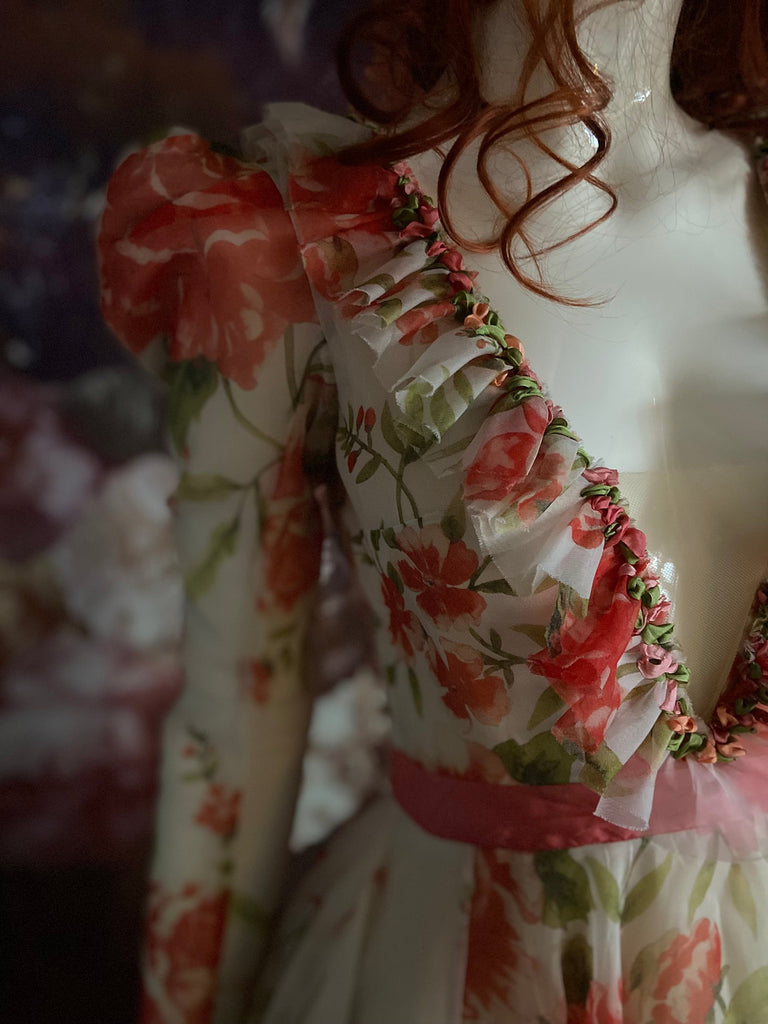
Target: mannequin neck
column 630, row 42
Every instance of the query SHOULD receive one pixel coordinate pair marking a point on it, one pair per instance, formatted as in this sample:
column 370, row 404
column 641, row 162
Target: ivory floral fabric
column 314, row 322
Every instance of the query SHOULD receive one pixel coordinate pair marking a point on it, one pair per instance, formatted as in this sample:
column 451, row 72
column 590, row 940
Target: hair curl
column 396, row 55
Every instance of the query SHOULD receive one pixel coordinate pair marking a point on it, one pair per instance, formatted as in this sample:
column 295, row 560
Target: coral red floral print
column 460, row 669
column 681, row 986
column 210, row 254
column 183, row 941
column 437, row 571
column 494, row 947
column 220, row 809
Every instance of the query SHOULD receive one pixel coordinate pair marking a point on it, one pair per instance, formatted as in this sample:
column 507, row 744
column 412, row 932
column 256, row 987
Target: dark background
column 80, row 82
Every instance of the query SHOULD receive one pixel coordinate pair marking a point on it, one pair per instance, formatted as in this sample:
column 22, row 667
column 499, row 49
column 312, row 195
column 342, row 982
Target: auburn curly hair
column 397, row 54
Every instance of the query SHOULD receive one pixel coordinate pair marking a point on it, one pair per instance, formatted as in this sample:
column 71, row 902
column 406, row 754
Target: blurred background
column 89, row 593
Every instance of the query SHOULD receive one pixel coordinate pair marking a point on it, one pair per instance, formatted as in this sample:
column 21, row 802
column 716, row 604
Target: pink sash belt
column 534, row 818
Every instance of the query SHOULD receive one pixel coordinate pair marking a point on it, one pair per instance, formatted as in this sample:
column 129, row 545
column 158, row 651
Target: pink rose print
column 587, row 528
column 581, row 661
column 220, row 809
column 404, row 627
column 494, row 949
column 183, row 946
column 540, row 487
column 601, row 1007
column 435, row 570
column 254, row 678
column 506, row 457
column 421, row 324
column 688, row 971
column 291, row 543
column 682, row 990
column 197, row 247
column 469, row 693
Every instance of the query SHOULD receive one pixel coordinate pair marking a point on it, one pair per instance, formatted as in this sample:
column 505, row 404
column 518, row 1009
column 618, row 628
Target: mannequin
column 676, row 337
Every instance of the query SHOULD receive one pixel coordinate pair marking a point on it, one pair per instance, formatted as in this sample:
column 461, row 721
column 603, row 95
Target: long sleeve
column 199, row 259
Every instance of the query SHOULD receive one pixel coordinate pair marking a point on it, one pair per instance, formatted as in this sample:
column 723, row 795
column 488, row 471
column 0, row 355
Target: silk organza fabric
column 306, row 320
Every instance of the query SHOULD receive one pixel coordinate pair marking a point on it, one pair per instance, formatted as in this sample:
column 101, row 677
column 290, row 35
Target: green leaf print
column 221, row 545
column 383, row 281
column 548, row 704
column 441, row 412
column 566, row 888
column 576, row 966
column 415, row 393
column 389, row 432
column 368, row 470
column 607, row 888
column 394, row 575
column 191, row 383
column 463, row 387
column 533, row 632
column 454, row 522
column 741, row 893
column 750, row 1000
column 413, row 681
column 437, row 284
column 389, row 310
column 390, row 539
column 414, row 404
column 205, row 487
column 642, row 895
column 700, row 887
column 600, row 767
column 539, row 762
column 645, row 966
column 495, row 587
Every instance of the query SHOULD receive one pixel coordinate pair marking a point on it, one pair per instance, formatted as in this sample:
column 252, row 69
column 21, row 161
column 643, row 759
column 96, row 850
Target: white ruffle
column 443, row 393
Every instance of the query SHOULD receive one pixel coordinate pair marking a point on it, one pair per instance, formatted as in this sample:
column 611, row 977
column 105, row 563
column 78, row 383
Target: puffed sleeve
column 199, row 259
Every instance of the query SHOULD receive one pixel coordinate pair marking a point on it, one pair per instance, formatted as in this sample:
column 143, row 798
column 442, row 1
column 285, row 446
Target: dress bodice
column 308, row 311
column 666, row 377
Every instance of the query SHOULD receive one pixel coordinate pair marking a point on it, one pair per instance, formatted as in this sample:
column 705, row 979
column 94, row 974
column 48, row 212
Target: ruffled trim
column 542, row 508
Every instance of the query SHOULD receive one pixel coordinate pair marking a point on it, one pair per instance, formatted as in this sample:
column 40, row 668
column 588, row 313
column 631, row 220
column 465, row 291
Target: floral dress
column 565, row 841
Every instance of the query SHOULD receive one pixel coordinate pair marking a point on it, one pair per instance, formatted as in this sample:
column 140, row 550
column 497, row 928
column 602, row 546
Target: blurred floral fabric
column 90, row 628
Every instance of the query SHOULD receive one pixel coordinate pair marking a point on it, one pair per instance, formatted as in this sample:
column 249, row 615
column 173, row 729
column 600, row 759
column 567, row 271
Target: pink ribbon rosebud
column 602, row 475
column 707, row 754
column 732, row 749
column 724, row 717
column 655, row 661
column 476, row 318
column 681, row 724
